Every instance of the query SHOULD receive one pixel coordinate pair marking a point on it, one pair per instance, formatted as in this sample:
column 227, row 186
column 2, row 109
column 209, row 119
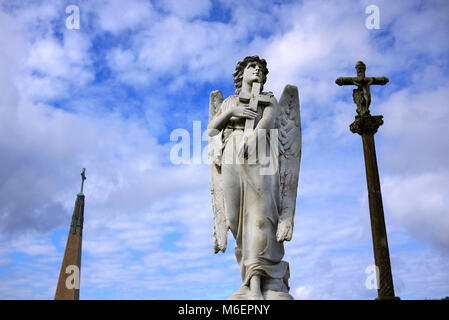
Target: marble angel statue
column 254, row 154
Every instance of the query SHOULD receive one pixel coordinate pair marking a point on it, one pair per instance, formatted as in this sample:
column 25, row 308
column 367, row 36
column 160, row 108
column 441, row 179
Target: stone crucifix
column 361, row 95
column 366, row 126
column 253, row 99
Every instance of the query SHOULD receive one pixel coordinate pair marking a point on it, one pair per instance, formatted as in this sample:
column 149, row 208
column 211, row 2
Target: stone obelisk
column 68, row 287
column 366, row 126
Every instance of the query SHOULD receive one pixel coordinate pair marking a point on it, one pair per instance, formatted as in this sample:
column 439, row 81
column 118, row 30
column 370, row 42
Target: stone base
column 244, row 294
column 387, row 298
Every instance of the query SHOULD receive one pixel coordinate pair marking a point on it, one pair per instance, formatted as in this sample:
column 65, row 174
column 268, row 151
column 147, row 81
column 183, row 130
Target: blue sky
column 108, row 96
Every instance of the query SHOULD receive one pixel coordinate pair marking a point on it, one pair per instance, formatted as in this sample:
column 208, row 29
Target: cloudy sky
column 107, row 97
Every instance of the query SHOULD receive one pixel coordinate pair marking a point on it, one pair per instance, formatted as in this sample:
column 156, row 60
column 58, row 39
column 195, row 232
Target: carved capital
column 366, row 124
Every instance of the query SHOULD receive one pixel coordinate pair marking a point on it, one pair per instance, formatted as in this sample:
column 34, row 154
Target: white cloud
column 186, row 9
column 308, row 293
column 116, row 16
column 415, row 184
column 419, row 202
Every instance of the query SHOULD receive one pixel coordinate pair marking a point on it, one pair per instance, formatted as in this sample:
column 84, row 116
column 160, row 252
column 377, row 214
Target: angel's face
column 252, row 73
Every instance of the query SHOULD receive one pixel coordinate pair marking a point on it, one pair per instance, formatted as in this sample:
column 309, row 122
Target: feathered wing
column 215, row 152
column 289, row 135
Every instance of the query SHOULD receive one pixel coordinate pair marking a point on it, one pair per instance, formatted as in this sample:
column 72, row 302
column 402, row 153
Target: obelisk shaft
column 68, row 283
column 379, row 233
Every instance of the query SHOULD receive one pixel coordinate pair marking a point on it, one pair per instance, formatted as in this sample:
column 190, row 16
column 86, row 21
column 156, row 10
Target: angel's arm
column 222, row 117
column 218, row 122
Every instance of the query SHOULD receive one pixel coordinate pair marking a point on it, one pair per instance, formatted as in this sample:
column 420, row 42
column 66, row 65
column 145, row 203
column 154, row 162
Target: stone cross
column 361, row 95
column 83, row 177
column 253, row 99
column 366, row 126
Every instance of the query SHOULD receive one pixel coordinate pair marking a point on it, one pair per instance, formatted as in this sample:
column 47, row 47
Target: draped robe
column 252, row 203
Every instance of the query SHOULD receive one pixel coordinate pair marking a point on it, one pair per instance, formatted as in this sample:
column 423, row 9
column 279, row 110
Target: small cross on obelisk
column 253, row 99
column 83, row 177
column 366, row 125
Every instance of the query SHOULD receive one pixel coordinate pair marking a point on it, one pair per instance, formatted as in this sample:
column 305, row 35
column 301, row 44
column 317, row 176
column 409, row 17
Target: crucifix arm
column 346, row 81
column 379, row 80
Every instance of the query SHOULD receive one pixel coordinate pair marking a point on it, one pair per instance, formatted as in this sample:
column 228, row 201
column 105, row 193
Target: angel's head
column 250, row 69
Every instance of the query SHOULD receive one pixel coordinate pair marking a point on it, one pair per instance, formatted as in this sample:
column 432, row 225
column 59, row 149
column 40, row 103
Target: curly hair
column 240, row 67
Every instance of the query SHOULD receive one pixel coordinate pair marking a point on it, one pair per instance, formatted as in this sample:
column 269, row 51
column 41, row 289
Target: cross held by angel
column 257, row 208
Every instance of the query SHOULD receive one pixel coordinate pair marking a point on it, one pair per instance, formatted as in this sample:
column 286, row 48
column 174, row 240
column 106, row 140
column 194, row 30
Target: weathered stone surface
column 366, row 124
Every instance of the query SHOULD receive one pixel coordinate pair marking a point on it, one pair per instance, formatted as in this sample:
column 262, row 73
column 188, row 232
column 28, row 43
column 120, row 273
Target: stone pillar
column 367, row 126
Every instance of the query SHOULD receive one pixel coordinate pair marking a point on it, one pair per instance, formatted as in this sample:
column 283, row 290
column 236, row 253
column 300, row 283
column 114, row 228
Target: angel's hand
column 284, row 230
column 244, row 112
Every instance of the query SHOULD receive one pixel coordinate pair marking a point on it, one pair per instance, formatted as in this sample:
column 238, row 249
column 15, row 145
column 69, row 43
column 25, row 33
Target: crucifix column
column 366, row 126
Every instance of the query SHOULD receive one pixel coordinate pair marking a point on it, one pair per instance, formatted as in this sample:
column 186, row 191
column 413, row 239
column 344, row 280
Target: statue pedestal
column 244, row 294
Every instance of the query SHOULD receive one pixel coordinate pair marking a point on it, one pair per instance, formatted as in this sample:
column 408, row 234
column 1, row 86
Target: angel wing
column 215, row 151
column 289, row 135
